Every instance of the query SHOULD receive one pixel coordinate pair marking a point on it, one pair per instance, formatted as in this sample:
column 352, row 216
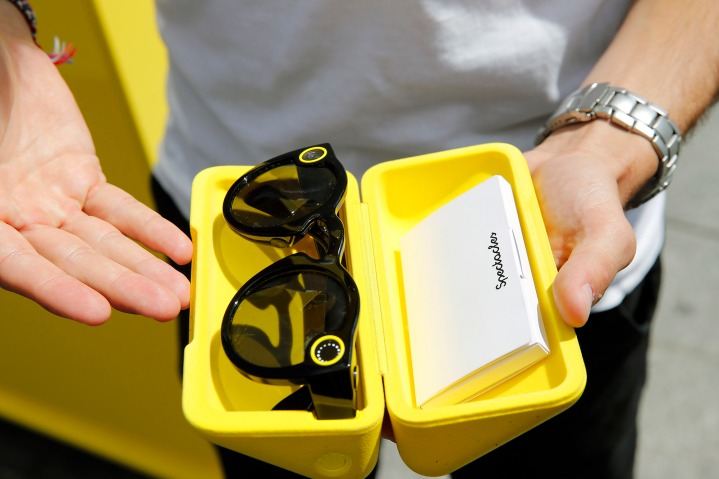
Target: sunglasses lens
column 274, row 325
column 282, row 194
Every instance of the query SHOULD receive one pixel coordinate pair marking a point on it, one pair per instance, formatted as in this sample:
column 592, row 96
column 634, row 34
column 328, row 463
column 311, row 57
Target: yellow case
column 234, row 412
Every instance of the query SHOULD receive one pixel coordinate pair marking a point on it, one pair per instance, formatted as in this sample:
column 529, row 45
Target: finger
column 108, row 241
column 123, row 288
column 139, row 222
column 590, row 268
column 24, row 271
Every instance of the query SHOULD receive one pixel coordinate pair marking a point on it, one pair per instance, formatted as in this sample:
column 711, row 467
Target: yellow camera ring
column 327, row 345
column 313, row 154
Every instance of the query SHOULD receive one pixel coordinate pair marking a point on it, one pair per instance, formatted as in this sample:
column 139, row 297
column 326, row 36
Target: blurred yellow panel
column 141, row 60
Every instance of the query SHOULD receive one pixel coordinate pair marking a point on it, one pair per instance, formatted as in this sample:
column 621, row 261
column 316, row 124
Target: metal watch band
column 631, row 112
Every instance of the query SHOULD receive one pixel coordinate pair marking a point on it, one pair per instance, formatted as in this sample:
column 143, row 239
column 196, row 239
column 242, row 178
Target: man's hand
column 65, row 233
column 583, row 177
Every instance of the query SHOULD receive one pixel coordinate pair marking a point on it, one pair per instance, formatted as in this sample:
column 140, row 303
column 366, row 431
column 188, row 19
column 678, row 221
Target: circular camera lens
column 310, row 155
column 327, row 350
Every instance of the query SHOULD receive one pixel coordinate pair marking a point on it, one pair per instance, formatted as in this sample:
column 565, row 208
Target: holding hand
column 584, row 176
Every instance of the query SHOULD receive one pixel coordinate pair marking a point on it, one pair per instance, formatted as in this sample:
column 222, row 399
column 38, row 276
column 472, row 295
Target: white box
column 472, row 309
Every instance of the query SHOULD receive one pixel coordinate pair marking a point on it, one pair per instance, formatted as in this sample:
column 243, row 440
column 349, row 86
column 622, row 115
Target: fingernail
column 588, row 294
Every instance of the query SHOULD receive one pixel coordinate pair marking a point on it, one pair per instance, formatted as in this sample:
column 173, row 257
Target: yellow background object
column 235, row 412
column 114, row 389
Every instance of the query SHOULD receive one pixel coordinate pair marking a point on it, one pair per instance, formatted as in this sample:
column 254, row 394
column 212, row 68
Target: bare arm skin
column 665, row 51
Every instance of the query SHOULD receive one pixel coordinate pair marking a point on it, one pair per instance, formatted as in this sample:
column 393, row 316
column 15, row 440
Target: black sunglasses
column 295, row 321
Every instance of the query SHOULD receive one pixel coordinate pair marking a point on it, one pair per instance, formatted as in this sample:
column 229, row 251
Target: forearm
column 667, row 55
column 13, row 25
column 667, row 52
column 14, row 34
column 24, row 67
column 13, row 29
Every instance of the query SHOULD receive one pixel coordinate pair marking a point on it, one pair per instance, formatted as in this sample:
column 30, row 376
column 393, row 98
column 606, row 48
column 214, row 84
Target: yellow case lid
column 233, row 411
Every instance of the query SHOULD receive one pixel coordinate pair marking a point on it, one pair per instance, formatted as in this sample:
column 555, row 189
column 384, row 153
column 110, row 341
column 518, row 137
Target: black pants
column 595, row 438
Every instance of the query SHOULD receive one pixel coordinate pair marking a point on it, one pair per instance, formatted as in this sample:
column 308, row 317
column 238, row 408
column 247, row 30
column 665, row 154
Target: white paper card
column 472, row 310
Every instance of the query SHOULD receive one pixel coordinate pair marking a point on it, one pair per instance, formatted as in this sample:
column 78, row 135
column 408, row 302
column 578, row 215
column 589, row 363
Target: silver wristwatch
column 631, row 112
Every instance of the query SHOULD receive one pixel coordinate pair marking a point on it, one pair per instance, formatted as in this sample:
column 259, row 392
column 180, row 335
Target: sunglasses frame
column 332, row 383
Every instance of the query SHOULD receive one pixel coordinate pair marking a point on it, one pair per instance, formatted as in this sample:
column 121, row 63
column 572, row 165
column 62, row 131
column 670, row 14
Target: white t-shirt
column 379, row 80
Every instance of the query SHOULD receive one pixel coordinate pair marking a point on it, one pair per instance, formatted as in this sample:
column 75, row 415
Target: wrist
column 629, row 112
column 21, row 22
column 629, row 159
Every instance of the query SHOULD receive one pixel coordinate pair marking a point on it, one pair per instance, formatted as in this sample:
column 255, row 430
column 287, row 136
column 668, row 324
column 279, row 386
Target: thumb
column 590, row 269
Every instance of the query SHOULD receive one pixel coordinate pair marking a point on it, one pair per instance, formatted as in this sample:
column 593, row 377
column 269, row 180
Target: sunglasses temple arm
column 334, row 396
column 329, row 236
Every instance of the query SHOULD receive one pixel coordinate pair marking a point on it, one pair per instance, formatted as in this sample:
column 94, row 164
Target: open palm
column 66, row 235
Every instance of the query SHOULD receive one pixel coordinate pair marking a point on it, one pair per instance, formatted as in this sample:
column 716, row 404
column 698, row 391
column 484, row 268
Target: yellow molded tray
column 234, row 411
